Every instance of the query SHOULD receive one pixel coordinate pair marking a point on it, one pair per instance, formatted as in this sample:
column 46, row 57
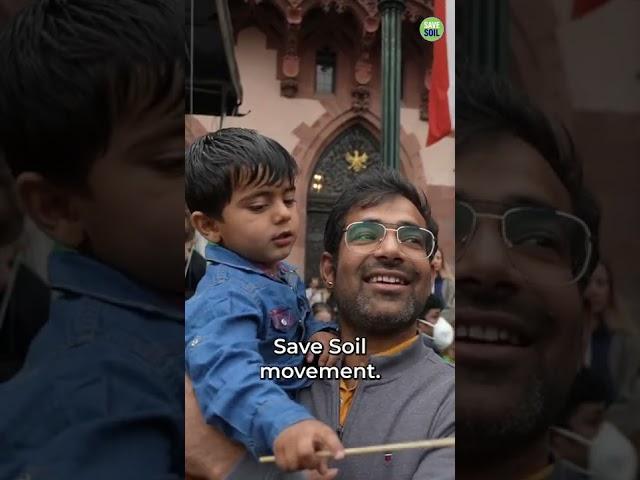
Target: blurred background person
column 438, row 330
column 614, row 351
column 316, row 293
column 583, row 439
column 430, row 314
column 322, row 312
column 443, row 280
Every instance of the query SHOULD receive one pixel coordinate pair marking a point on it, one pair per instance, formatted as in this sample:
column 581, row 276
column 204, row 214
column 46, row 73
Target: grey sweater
column 413, row 400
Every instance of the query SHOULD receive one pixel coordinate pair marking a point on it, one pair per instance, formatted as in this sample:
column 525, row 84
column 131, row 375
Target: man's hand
column 296, row 447
column 325, row 357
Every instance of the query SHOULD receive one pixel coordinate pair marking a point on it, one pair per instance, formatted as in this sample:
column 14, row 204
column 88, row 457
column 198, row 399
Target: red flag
column 441, row 91
column 582, row 7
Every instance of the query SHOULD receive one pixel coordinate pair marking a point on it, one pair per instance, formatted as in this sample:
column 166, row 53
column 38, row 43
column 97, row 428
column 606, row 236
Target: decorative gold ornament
column 357, row 161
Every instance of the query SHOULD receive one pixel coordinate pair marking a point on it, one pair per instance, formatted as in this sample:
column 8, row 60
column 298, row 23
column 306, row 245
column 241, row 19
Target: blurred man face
column 518, row 342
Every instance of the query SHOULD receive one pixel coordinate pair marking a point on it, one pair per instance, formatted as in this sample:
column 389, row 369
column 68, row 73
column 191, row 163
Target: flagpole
column 391, row 14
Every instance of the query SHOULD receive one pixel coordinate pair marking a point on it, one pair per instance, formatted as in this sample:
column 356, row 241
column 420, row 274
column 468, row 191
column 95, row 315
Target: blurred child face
column 260, row 223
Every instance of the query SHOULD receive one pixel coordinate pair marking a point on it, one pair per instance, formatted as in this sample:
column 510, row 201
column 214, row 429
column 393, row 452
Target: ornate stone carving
column 289, row 87
column 337, row 176
column 360, row 96
column 291, row 60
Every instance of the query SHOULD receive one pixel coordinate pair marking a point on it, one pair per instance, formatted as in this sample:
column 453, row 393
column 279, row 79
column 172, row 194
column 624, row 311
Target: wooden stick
column 435, row 443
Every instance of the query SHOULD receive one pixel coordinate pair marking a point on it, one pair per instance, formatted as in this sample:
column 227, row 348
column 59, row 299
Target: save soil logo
column 431, row 29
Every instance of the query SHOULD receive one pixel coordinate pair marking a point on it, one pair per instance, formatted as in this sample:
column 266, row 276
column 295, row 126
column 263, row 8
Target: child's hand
column 297, row 446
column 325, row 358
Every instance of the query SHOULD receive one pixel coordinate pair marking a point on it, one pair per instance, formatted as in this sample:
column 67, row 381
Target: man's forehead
column 395, row 210
column 508, row 168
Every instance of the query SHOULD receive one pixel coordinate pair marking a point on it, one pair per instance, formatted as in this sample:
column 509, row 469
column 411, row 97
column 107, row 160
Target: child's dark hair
column 218, row 163
column 72, row 69
column 370, row 189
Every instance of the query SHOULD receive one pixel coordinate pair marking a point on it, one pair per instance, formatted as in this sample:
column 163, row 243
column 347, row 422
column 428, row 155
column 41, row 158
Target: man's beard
column 489, row 439
column 361, row 314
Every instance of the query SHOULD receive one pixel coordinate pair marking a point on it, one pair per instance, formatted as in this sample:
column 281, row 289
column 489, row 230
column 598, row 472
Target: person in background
column 437, row 329
column 585, row 441
column 195, row 264
column 316, row 293
column 430, row 314
column 614, row 339
column 613, row 353
column 322, row 312
column 443, row 280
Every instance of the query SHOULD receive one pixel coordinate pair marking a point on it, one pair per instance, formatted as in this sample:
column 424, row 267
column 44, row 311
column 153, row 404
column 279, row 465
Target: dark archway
column 337, row 167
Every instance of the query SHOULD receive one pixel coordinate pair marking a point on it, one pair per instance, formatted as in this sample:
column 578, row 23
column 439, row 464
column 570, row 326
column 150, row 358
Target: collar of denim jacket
column 72, row 272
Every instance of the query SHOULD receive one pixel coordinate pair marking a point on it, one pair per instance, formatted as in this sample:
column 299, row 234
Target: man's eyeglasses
column 365, row 237
column 543, row 244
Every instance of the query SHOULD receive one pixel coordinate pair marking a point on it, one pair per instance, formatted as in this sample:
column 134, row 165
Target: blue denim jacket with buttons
column 101, row 394
column 232, row 321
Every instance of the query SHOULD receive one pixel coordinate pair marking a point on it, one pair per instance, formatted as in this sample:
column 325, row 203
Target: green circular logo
column 431, row 29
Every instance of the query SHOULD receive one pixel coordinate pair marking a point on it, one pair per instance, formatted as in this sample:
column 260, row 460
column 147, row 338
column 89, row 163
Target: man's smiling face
column 385, row 290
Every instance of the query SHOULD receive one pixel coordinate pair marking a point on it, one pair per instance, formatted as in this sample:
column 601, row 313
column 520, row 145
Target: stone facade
column 276, row 45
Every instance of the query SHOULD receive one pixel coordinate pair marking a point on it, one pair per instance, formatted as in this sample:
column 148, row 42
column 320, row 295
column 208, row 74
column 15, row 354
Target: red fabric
column 439, row 116
column 582, row 7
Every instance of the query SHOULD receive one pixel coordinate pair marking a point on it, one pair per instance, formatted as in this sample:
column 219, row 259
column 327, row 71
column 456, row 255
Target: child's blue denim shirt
column 231, row 323
column 101, row 394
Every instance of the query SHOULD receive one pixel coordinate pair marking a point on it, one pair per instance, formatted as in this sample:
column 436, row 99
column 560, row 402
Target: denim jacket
column 101, row 394
column 234, row 317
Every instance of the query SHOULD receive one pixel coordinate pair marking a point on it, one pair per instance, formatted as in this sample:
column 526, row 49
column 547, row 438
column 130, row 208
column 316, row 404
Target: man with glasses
column 525, row 247
column 378, row 241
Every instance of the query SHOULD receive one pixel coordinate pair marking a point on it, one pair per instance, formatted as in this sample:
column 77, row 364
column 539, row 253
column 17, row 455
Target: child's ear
column 54, row 209
column 327, row 270
column 207, row 226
